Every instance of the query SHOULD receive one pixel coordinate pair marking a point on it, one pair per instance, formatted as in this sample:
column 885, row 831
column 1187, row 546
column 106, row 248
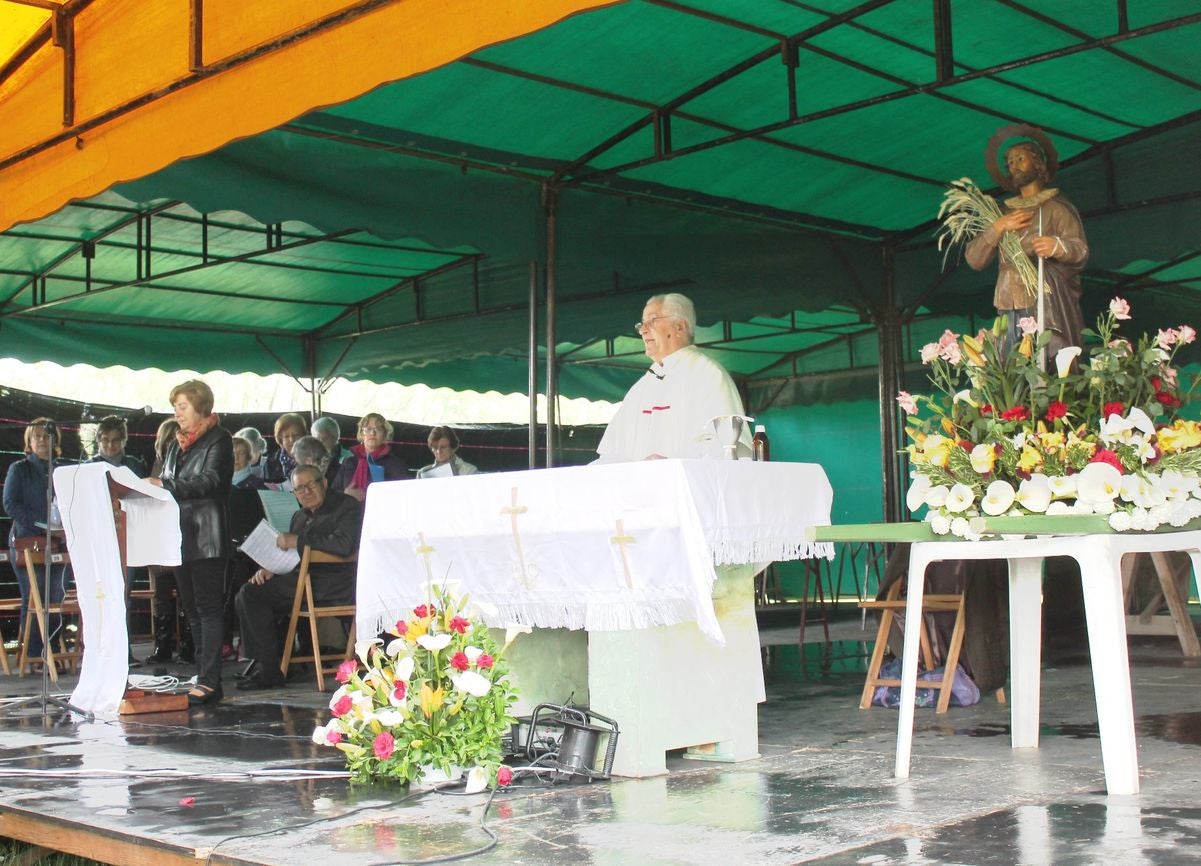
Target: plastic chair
column 303, row 607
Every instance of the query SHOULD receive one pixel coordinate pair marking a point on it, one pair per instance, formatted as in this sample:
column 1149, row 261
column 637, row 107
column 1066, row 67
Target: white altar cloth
column 602, row 547
column 152, row 537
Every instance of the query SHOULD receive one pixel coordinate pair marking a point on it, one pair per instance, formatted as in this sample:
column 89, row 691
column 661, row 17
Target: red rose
column 401, row 627
column 459, row 624
column 1017, row 413
column 1168, row 401
column 422, row 611
column 333, row 737
column 459, row 661
column 1056, row 410
column 1156, row 382
column 191, row 801
column 1104, row 455
column 504, row 776
column 400, row 691
column 346, row 670
column 966, row 444
column 485, row 661
column 1114, row 408
column 986, row 409
column 383, row 745
column 342, row 706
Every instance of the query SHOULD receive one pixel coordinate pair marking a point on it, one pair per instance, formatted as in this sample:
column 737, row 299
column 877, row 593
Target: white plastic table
column 1100, row 558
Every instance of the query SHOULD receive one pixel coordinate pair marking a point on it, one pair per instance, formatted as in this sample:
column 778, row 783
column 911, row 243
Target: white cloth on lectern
column 83, row 501
column 669, row 411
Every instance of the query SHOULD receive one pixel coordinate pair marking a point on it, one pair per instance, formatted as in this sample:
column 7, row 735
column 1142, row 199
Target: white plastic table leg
column 1025, row 649
column 918, row 560
column 1101, row 578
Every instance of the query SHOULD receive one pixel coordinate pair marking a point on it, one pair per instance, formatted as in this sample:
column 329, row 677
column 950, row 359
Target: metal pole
column 532, row 388
column 552, row 379
column 888, row 329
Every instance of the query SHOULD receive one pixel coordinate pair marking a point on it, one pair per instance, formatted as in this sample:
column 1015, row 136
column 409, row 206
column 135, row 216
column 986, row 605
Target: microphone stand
column 45, row 700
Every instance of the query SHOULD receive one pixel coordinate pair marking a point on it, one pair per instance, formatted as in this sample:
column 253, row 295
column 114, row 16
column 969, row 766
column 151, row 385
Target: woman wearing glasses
column 371, row 460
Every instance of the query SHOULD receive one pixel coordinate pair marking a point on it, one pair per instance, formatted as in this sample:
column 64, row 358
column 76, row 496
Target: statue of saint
column 1048, row 227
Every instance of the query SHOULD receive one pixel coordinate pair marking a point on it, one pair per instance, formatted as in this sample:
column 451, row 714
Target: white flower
column 1140, row 519
column 959, row 499
column 339, row 693
column 1140, row 491
column 434, row 642
column 1173, row 485
column 940, row 525
column 472, row 683
column 477, row 780
column 1059, row 507
column 1139, row 420
column 473, row 653
column 1062, row 486
column 512, row 632
column 1019, row 440
column 1034, row 493
column 1064, row 358
column 363, row 647
column 997, row 498
column 960, row 527
column 321, row 735
column 1120, row 521
column 915, row 497
column 1115, row 429
column 936, row 497
column 395, row 647
column 404, row 668
column 984, row 457
column 363, row 707
column 1098, row 482
column 389, row 718
column 965, row 396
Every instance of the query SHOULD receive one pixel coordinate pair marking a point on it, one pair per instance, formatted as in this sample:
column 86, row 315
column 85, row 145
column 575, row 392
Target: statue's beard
column 1022, row 178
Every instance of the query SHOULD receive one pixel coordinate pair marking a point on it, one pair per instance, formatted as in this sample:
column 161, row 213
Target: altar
column 636, row 577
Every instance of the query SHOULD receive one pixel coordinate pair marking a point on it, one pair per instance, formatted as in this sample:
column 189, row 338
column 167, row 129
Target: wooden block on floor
column 137, row 702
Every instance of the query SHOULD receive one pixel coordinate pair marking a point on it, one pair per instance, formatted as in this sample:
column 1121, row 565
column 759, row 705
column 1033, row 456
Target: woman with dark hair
column 25, row 502
column 288, row 428
column 371, row 460
column 198, row 471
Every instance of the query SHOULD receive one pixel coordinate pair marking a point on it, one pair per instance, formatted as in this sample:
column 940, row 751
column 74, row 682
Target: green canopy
column 778, row 161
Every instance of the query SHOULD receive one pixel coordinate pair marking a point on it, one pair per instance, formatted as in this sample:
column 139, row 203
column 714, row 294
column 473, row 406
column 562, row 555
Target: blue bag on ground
column 963, row 690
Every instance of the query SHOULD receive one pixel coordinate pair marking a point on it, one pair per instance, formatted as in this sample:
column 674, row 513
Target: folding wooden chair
column 889, row 607
column 7, row 606
column 304, row 608
column 35, row 615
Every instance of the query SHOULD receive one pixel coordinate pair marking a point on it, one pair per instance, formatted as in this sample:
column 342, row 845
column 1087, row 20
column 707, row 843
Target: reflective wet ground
column 822, row 792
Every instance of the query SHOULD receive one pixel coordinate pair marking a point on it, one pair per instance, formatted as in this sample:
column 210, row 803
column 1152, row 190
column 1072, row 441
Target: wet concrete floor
column 822, row 792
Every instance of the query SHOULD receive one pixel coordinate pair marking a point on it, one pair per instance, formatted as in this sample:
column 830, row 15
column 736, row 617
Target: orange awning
column 93, row 92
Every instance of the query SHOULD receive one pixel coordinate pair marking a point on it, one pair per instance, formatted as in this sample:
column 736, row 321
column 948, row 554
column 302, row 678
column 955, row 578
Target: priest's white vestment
column 670, row 409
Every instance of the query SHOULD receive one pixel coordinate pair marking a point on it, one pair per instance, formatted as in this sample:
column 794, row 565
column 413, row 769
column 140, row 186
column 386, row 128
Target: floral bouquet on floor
column 1101, row 435
column 436, row 696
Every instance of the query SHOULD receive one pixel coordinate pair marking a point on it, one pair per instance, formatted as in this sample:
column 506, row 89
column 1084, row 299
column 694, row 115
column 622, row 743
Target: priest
column 669, row 412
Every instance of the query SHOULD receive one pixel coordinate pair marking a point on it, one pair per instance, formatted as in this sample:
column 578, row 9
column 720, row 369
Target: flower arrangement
column 1003, row 438
column 436, row 695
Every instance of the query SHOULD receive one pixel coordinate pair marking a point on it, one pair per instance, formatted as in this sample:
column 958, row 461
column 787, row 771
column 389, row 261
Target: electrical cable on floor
column 286, row 775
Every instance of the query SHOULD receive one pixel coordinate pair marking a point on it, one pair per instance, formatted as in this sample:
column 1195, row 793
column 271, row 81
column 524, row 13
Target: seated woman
column 371, row 460
column 111, row 436
column 25, row 502
column 311, row 451
column 258, row 447
column 245, row 477
column 444, row 445
column 288, row 428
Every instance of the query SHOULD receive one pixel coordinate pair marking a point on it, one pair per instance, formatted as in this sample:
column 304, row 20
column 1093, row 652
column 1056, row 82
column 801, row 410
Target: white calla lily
column 1098, row 482
column 1062, row 486
column 434, row 642
column 1034, row 493
column 959, row 499
column 404, row 668
column 998, row 498
column 472, row 683
column 936, row 497
column 1064, row 358
column 362, row 649
column 915, row 497
column 389, row 718
column 472, row 653
column 1141, row 421
column 477, row 780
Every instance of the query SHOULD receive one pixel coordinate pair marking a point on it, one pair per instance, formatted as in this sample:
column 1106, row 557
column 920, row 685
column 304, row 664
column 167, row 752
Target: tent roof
column 778, row 161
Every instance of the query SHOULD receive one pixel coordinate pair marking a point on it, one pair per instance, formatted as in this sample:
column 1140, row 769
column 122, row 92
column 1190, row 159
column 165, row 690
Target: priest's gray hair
column 678, row 307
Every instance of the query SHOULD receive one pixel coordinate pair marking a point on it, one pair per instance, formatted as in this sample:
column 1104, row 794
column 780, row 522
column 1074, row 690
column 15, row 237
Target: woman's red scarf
column 187, row 440
column 362, row 473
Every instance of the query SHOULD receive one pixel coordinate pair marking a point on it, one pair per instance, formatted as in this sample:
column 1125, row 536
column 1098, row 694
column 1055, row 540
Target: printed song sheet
column 279, row 506
column 260, row 546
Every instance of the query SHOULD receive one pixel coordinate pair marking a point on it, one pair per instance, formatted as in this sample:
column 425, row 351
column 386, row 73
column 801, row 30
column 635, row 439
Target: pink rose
column 401, row 627
column 383, row 745
column 460, row 662
column 342, row 706
column 1169, row 375
column 346, row 670
column 333, row 737
column 907, row 403
column 948, row 347
column 1167, row 339
column 929, row 352
column 422, row 611
column 400, row 690
column 1186, row 334
column 504, row 776
column 1029, row 326
column 459, row 624
column 1120, row 309
column 485, row 661
column 191, row 801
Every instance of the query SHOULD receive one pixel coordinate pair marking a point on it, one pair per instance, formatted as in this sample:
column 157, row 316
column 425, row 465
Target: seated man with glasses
column 328, row 521
column 669, row 411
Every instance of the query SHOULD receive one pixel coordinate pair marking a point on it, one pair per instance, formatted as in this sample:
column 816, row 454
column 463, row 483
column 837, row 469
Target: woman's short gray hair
column 678, row 307
column 258, row 445
column 328, row 425
column 308, row 451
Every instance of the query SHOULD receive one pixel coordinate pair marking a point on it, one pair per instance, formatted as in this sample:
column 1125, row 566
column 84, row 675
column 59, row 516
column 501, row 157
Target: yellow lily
column 430, row 699
column 974, row 350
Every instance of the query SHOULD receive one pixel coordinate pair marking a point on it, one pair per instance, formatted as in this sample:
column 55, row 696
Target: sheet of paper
column 126, row 478
column 260, row 546
column 441, row 471
column 278, row 507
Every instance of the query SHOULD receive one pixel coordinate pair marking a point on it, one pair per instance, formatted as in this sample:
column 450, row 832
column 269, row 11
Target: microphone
column 91, row 415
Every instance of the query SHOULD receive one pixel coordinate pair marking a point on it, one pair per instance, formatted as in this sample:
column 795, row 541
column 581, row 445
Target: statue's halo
column 1018, row 130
